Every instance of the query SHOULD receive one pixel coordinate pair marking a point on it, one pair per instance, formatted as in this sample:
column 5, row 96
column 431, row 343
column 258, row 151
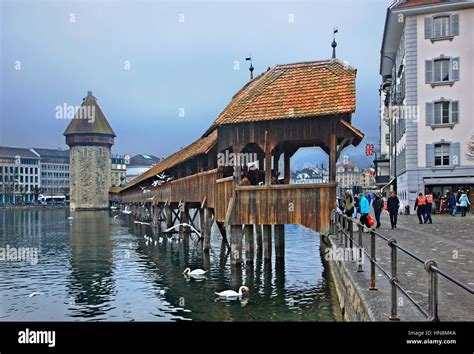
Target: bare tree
column 8, row 190
column 470, row 149
column 36, row 192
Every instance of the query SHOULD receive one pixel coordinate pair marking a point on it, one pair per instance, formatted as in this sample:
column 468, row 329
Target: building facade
column 54, row 171
column 90, row 140
column 347, row 174
column 19, row 175
column 118, row 170
column 427, row 69
column 139, row 164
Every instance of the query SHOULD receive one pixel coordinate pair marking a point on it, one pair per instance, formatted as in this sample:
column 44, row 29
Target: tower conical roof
column 89, row 119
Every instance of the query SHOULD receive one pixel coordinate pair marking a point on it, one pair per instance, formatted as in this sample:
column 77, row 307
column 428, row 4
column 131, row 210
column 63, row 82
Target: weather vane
column 334, row 43
column 249, row 58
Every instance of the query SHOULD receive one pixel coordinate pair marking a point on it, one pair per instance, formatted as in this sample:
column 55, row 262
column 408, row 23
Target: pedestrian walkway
column 450, row 242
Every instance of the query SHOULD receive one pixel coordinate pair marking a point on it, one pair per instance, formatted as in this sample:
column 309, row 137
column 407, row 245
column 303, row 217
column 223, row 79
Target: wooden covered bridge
column 308, row 104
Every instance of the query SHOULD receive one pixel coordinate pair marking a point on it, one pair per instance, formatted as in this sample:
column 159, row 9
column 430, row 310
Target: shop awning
column 448, row 180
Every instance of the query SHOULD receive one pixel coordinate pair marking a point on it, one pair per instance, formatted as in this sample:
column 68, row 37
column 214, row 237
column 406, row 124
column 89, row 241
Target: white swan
column 233, row 295
column 196, row 273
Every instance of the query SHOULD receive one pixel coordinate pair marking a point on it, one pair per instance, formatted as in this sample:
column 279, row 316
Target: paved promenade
column 450, row 242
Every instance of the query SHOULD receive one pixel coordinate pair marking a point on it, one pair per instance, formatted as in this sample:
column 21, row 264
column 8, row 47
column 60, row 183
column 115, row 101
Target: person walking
column 356, row 206
column 349, row 204
column 364, row 210
column 428, row 208
column 464, row 202
column 452, row 203
column 393, row 204
column 377, row 204
column 420, row 207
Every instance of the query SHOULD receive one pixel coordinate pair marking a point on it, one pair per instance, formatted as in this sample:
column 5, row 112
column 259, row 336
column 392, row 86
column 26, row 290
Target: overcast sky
column 181, row 58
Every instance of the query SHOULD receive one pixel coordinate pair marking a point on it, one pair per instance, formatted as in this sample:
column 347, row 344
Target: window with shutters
column 442, row 113
column 441, row 156
column 442, row 27
column 442, row 71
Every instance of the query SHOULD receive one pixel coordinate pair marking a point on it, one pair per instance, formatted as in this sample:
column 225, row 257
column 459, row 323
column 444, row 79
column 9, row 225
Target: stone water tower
column 90, row 138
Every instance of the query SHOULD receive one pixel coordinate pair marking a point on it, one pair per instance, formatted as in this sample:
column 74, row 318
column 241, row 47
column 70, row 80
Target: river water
column 98, row 267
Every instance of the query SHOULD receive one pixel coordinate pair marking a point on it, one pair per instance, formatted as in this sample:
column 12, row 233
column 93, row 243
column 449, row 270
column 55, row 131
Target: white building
column 19, row 175
column 347, row 174
column 427, row 67
column 54, row 171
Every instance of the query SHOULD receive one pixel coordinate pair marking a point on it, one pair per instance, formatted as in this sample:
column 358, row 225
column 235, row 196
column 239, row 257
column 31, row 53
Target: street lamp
column 394, row 81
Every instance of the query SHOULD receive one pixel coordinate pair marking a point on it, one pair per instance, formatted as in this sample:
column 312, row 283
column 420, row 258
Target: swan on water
column 70, row 218
column 233, row 295
column 196, row 273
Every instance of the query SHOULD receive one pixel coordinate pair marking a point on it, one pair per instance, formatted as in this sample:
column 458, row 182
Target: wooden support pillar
column 258, row 232
column 184, row 218
column 249, row 243
column 280, row 241
column 267, row 242
column 223, row 231
column 332, row 157
column 205, row 216
column 236, row 244
column 169, row 216
column 154, row 216
column 276, row 159
column 237, row 172
column 287, row 167
column 268, row 168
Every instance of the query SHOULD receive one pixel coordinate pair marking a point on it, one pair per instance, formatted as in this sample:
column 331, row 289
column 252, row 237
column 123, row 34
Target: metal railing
column 342, row 226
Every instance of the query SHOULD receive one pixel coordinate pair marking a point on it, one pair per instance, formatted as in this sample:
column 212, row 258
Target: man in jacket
column 429, row 207
column 420, row 207
column 377, row 204
column 393, row 204
column 452, row 203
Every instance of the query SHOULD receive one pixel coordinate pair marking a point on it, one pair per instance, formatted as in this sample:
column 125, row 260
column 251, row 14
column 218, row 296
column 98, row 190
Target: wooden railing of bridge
column 303, row 204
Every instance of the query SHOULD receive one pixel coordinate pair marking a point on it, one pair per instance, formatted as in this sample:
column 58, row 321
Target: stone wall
column 351, row 303
column 357, row 302
column 90, row 177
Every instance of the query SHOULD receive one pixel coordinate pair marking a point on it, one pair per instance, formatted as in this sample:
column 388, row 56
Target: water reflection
column 97, row 267
column 91, row 281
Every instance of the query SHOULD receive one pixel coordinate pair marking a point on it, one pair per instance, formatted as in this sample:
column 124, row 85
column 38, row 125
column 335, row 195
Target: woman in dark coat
column 393, row 204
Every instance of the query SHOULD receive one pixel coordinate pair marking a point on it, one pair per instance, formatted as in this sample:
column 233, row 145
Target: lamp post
column 393, row 126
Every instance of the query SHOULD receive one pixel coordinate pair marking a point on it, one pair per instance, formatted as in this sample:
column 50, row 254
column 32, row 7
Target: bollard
column 393, row 280
column 341, row 231
column 351, row 237
column 432, row 291
column 372, row 260
column 361, row 253
column 345, row 228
